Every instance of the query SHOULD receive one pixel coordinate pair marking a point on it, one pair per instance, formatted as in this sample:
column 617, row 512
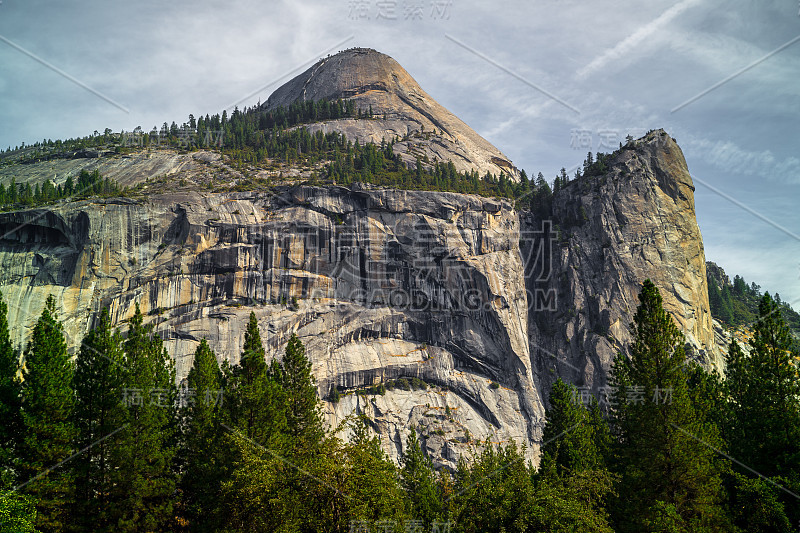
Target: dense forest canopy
column 108, row 441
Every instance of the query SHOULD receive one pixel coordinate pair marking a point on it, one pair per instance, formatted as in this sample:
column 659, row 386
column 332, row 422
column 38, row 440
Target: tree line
column 737, row 303
column 253, row 135
column 108, row 442
column 18, row 195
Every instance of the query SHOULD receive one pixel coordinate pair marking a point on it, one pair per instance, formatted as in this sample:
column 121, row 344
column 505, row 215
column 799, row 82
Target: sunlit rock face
column 399, row 107
column 477, row 306
column 608, row 234
column 379, row 285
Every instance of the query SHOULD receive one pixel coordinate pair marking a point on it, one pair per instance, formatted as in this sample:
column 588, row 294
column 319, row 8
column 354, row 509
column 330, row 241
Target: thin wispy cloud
column 730, row 157
column 634, row 40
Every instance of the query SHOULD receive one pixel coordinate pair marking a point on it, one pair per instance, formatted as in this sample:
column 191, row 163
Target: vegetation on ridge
column 254, row 137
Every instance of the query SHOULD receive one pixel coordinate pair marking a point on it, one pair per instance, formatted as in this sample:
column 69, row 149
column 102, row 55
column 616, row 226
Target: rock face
column 485, row 305
column 387, row 284
column 400, row 108
column 717, row 274
column 608, row 234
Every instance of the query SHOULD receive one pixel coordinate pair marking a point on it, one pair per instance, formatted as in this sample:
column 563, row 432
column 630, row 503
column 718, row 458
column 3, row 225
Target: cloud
column 728, row 156
column 772, row 267
column 634, row 40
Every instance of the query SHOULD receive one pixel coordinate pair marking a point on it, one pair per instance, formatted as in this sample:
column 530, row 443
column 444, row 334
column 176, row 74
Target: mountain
column 609, row 232
column 452, row 313
column 400, row 108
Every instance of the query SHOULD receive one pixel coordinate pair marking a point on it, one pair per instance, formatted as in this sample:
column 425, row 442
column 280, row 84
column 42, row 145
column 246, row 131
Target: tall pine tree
column 418, row 480
column 142, row 497
column 98, row 417
column 574, row 435
column 47, row 406
column 201, row 457
column 763, row 426
column 257, row 407
column 10, row 389
column 303, row 416
column 670, row 475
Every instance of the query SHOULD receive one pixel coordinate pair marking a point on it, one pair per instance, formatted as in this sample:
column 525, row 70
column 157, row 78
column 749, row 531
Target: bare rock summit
column 400, row 108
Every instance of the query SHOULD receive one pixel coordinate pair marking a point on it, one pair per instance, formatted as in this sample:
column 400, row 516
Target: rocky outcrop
column 607, row 235
column 484, row 305
column 400, row 109
column 716, row 274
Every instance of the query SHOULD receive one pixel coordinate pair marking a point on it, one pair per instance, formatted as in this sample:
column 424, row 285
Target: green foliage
column 495, row 492
column 142, row 497
column 764, row 391
column 17, row 513
column 334, row 395
column 10, row 391
column 737, row 303
column 499, row 492
column 255, row 496
column 372, row 480
column 658, row 454
column 418, row 480
column 261, row 460
column 303, row 415
column 47, row 409
column 201, row 457
column 571, row 434
column 257, row 406
column 573, row 504
column 596, row 166
column 89, row 184
column 763, row 395
column 98, row 384
column 757, row 507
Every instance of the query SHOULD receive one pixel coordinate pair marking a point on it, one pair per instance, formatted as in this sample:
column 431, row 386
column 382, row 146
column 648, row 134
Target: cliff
column 608, row 234
column 484, row 304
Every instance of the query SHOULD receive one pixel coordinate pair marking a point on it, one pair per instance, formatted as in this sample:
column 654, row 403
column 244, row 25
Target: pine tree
column 258, row 406
column 572, row 471
column 571, row 434
column 419, row 483
column 771, row 404
column 10, row 390
column 204, row 465
column 372, row 480
column 664, row 450
column 496, row 492
column 303, row 416
column 98, row 417
column 48, row 430
column 757, row 507
column 275, row 480
column 763, row 399
column 143, row 481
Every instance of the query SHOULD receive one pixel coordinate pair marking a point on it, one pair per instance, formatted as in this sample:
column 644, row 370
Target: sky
column 545, row 81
